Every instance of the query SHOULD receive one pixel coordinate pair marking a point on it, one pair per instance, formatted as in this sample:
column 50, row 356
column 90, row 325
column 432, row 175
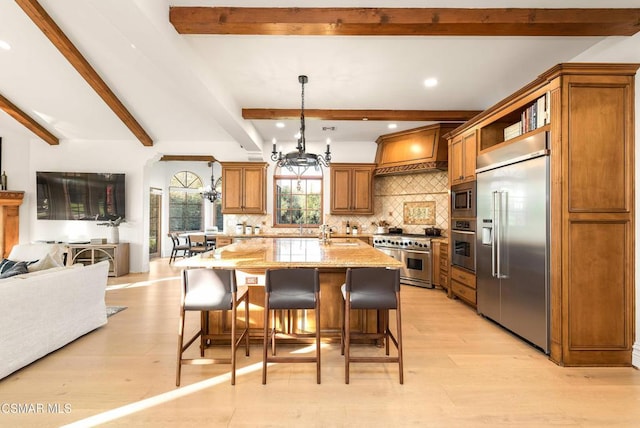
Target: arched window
column 185, row 202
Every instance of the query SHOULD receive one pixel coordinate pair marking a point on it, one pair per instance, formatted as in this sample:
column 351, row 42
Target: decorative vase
column 381, row 229
column 114, row 235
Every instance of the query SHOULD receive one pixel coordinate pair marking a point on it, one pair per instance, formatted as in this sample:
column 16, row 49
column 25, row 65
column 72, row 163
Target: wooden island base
column 253, row 257
column 298, row 323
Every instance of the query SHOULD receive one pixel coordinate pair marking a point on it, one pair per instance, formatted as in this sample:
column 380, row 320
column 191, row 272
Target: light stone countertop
column 264, row 253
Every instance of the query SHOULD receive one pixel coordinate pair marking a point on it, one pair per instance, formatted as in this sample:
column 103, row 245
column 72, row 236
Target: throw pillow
column 17, row 268
column 47, row 262
column 6, row 264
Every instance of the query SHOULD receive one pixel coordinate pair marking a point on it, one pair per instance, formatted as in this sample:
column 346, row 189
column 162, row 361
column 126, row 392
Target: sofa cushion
column 16, row 268
column 47, row 262
column 36, row 251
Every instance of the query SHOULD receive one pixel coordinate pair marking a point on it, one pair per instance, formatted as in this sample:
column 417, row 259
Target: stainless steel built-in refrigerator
column 512, row 264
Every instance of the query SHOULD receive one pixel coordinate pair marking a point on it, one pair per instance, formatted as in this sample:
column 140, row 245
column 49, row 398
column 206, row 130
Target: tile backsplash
column 390, row 194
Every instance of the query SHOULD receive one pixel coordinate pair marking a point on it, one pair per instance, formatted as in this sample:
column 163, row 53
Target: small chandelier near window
column 210, row 192
column 300, row 159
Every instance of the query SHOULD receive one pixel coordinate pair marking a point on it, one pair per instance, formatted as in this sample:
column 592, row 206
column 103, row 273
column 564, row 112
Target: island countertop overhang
column 266, row 253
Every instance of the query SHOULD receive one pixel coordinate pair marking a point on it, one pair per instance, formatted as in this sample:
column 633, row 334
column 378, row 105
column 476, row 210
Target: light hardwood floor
column 460, row 370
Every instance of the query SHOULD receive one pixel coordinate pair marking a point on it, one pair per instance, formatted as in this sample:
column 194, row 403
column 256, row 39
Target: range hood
column 416, row 150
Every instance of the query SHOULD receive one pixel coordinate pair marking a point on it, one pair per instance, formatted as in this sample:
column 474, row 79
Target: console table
column 88, row 254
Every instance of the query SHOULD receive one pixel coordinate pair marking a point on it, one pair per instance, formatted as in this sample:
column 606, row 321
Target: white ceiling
column 192, row 88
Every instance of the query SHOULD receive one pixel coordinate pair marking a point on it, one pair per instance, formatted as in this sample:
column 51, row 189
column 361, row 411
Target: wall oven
column 463, row 200
column 463, row 241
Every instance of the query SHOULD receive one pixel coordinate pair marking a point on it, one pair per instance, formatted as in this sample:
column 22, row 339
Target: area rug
column 112, row 310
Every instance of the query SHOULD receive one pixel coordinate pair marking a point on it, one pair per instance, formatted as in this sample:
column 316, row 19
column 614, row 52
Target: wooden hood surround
column 10, row 202
column 416, row 150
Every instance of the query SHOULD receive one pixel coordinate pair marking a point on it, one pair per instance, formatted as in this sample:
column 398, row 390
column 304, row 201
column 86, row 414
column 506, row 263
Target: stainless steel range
column 414, row 251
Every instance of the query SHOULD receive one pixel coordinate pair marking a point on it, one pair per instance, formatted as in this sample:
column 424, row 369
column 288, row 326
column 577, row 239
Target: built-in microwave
column 463, row 200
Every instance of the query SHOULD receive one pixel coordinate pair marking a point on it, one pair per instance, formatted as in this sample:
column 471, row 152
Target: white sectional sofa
column 45, row 309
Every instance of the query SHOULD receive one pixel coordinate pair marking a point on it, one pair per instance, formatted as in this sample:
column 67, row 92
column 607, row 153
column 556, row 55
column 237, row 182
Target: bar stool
column 207, row 290
column 372, row 288
column 288, row 289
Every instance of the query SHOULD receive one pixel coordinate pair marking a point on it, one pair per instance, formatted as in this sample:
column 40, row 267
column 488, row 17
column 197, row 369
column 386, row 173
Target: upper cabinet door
column 352, row 188
column 243, row 187
column 232, row 189
column 254, row 190
column 462, row 158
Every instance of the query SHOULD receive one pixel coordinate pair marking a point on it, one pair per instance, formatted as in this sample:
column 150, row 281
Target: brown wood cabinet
column 244, row 187
column 462, row 158
column 10, row 202
column 592, row 255
column 352, row 188
column 222, row 241
column 463, row 285
column 444, row 267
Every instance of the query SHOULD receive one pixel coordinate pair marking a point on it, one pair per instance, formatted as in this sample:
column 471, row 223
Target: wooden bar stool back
column 290, row 289
column 373, row 288
column 207, row 290
column 197, row 244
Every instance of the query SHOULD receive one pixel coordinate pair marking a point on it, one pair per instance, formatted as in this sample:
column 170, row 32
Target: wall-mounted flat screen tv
column 80, row 196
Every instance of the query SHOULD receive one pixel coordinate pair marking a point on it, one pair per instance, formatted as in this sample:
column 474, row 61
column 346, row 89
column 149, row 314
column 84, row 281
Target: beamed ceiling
column 187, row 70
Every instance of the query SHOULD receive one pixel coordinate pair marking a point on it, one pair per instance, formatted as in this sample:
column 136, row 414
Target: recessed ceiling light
column 4, row 45
column 279, row 125
column 365, row 118
column 431, row 82
column 392, row 126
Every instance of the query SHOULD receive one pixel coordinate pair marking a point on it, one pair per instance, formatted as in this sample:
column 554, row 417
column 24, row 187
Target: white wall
column 24, row 154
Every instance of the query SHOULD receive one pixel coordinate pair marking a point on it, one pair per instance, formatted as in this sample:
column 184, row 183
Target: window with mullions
column 185, row 202
column 297, row 198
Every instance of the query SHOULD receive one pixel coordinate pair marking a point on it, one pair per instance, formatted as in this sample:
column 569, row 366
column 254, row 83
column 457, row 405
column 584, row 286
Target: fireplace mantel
column 10, row 201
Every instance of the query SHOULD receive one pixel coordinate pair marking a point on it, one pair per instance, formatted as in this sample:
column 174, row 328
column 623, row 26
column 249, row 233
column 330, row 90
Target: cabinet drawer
column 444, row 280
column 444, row 262
column 466, row 278
column 462, row 291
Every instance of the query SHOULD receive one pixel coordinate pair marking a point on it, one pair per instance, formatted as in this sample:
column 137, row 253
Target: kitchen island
column 252, row 257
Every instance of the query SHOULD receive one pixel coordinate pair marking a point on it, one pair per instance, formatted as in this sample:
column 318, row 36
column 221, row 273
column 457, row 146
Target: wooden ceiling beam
column 395, row 115
column 47, row 25
column 351, row 21
column 188, row 158
column 26, row 120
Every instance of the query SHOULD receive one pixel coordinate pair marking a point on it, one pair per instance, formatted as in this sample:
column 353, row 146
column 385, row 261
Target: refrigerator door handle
column 498, row 227
column 496, row 231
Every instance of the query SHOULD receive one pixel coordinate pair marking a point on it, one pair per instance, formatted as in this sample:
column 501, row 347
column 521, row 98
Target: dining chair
column 290, row 289
column 177, row 247
column 197, row 244
column 379, row 289
column 208, row 290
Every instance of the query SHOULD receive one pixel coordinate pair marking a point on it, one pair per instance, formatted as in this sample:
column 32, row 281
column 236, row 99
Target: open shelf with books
column 521, row 121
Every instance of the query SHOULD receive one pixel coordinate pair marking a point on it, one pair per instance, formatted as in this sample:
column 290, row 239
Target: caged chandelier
column 300, row 159
column 211, row 193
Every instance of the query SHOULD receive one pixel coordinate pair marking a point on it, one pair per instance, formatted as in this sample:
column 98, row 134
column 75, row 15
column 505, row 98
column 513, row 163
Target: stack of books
column 533, row 117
